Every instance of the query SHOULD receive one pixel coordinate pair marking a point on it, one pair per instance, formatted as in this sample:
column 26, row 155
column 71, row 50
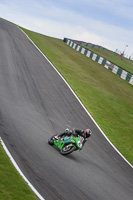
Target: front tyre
column 51, row 140
column 67, row 149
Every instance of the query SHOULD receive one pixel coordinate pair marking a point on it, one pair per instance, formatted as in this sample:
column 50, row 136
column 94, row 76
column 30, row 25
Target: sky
column 108, row 23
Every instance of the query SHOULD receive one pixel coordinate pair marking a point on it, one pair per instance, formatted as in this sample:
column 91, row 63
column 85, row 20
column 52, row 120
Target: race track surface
column 35, row 103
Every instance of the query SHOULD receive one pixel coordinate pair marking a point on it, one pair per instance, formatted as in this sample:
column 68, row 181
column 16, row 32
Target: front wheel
column 51, row 140
column 67, row 149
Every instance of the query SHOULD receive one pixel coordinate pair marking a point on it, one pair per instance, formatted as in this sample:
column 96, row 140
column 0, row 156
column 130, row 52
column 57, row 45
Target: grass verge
column 12, row 186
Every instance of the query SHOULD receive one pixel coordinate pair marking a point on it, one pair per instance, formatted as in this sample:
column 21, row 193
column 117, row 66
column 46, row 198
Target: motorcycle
column 67, row 144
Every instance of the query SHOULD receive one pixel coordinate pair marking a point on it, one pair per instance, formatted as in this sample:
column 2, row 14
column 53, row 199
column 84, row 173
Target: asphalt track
column 35, row 103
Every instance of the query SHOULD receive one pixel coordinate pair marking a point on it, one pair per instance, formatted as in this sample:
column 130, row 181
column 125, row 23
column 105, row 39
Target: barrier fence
column 125, row 75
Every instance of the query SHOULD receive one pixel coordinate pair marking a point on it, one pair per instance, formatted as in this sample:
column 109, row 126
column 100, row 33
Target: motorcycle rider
column 75, row 132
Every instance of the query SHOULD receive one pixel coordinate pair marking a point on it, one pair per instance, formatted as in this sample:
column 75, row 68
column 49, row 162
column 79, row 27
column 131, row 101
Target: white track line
column 18, row 169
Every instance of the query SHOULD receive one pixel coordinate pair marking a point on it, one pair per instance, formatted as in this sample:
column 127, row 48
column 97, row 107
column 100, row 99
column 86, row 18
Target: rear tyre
column 67, row 149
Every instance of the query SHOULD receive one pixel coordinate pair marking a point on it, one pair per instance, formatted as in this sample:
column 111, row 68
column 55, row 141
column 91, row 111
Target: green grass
column 107, row 97
column 12, row 186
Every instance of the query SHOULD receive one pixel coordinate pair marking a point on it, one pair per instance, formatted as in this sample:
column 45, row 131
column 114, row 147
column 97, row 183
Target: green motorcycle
column 67, row 144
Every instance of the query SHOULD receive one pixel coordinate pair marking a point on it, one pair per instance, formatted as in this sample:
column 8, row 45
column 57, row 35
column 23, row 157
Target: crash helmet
column 87, row 132
column 67, row 130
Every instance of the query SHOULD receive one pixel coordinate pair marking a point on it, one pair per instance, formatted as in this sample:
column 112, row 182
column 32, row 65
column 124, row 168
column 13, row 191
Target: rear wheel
column 67, row 149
